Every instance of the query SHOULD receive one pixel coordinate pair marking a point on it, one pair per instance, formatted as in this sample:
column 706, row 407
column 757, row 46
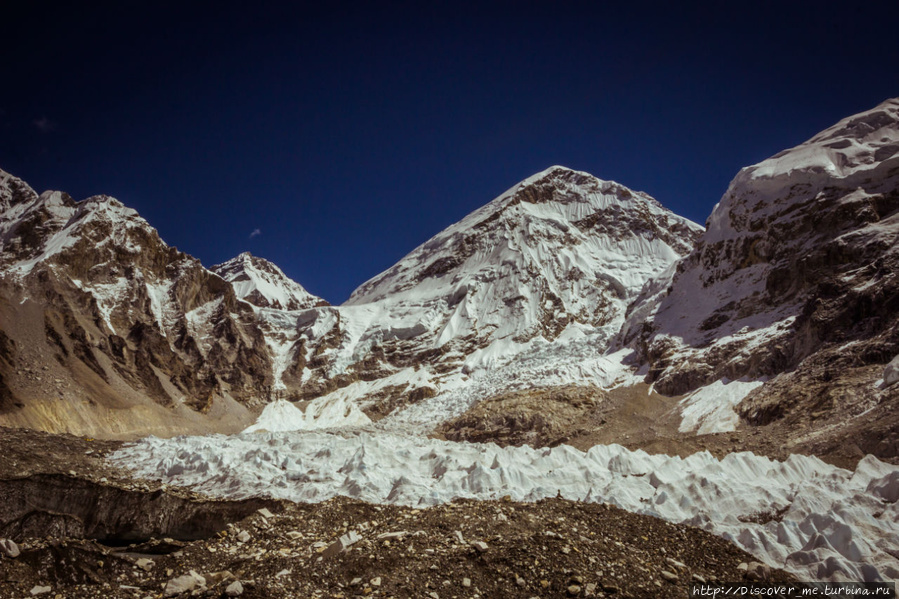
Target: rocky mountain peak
column 113, row 311
column 13, row 192
column 557, row 177
column 91, row 238
column 261, row 283
column 798, row 248
column 557, row 256
column 521, row 229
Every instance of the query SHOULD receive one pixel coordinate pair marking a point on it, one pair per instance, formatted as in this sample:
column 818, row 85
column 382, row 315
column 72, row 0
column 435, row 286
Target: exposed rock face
column 100, row 310
column 794, row 280
column 830, row 404
column 67, row 507
column 800, row 254
column 275, row 299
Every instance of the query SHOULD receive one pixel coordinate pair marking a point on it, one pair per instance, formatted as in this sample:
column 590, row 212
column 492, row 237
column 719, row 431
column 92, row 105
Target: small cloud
column 255, row 233
column 44, row 125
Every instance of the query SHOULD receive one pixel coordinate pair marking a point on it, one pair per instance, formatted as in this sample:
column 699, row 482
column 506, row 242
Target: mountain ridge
column 783, row 227
column 142, row 293
column 556, row 257
column 116, row 320
column 562, row 279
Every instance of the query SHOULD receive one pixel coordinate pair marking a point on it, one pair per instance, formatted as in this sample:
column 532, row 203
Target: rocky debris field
column 636, row 417
column 339, row 548
column 29, row 452
column 535, row 417
column 346, row 548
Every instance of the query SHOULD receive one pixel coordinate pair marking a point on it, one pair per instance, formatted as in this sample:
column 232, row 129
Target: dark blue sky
column 348, row 133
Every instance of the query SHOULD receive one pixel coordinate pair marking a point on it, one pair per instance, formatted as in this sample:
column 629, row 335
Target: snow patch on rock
column 710, row 409
column 263, row 284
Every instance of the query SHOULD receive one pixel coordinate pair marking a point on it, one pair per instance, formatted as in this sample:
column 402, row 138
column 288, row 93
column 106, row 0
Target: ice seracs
column 281, row 416
column 811, row 518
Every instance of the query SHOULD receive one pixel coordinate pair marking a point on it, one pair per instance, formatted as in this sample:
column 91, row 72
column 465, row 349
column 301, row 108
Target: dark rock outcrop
column 48, row 505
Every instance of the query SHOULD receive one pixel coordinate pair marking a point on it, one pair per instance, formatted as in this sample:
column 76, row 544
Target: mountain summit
column 562, row 248
column 107, row 330
column 260, row 282
column 557, row 257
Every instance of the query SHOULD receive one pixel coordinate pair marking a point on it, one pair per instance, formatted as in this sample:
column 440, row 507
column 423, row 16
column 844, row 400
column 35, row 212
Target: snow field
column 710, row 409
column 816, row 520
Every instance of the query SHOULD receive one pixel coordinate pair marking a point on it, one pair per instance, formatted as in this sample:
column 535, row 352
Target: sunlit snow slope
column 263, row 284
column 554, row 260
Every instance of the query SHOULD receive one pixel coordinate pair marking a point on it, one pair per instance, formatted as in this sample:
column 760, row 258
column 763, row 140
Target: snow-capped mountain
column 559, row 280
column 795, row 276
column 102, row 314
column 552, row 262
column 555, row 260
column 263, row 284
column 539, row 302
column 557, row 248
